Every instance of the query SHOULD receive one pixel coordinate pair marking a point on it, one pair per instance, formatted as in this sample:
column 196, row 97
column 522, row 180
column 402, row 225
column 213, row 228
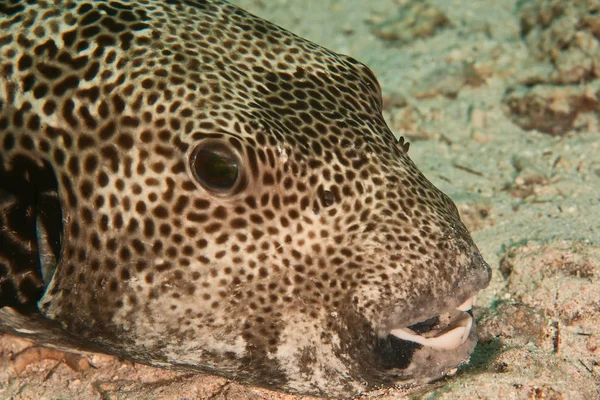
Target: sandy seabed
column 500, row 100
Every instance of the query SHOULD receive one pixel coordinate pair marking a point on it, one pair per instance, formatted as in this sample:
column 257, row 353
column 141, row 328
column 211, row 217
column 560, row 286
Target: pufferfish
column 186, row 185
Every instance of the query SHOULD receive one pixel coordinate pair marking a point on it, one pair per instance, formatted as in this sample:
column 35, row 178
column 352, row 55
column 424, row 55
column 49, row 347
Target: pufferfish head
column 232, row 201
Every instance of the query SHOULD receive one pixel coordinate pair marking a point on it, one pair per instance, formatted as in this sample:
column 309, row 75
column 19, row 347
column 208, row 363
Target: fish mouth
column 446, row 331
column 429, row 349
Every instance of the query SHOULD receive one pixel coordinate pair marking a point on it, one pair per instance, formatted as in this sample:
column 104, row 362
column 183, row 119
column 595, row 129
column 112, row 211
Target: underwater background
column 500, row 100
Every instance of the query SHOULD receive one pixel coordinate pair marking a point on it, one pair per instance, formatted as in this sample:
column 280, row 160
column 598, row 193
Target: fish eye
column 216, row 167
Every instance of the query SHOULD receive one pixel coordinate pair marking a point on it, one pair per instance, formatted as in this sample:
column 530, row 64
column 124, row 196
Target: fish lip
column 447, row 330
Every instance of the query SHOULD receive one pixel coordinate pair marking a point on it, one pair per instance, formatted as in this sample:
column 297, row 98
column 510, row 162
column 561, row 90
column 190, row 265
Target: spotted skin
column 292, row 277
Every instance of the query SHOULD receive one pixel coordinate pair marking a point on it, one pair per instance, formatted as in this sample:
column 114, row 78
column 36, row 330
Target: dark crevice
column 29, row 209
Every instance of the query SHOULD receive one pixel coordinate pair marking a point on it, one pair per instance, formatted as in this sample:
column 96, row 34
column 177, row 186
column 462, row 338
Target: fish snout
column 427, row 335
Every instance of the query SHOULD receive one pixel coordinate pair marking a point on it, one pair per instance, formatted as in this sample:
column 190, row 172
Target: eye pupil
column 215, row 169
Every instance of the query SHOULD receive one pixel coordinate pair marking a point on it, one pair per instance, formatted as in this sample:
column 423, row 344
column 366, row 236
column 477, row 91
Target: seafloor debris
column 567, row 269
column 555, row 109
column 476, row 215
column 516, row 321
column 415, row 19
column 565, row 34
column 37, row 353
column 549, row 304
column 448, row 80
column 559, row 91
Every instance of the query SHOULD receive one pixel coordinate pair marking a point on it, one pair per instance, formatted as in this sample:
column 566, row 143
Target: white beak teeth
column 467, row 305
column 448, row 340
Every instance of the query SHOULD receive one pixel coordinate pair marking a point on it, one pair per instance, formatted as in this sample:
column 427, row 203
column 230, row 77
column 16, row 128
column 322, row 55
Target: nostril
column 327, row 198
